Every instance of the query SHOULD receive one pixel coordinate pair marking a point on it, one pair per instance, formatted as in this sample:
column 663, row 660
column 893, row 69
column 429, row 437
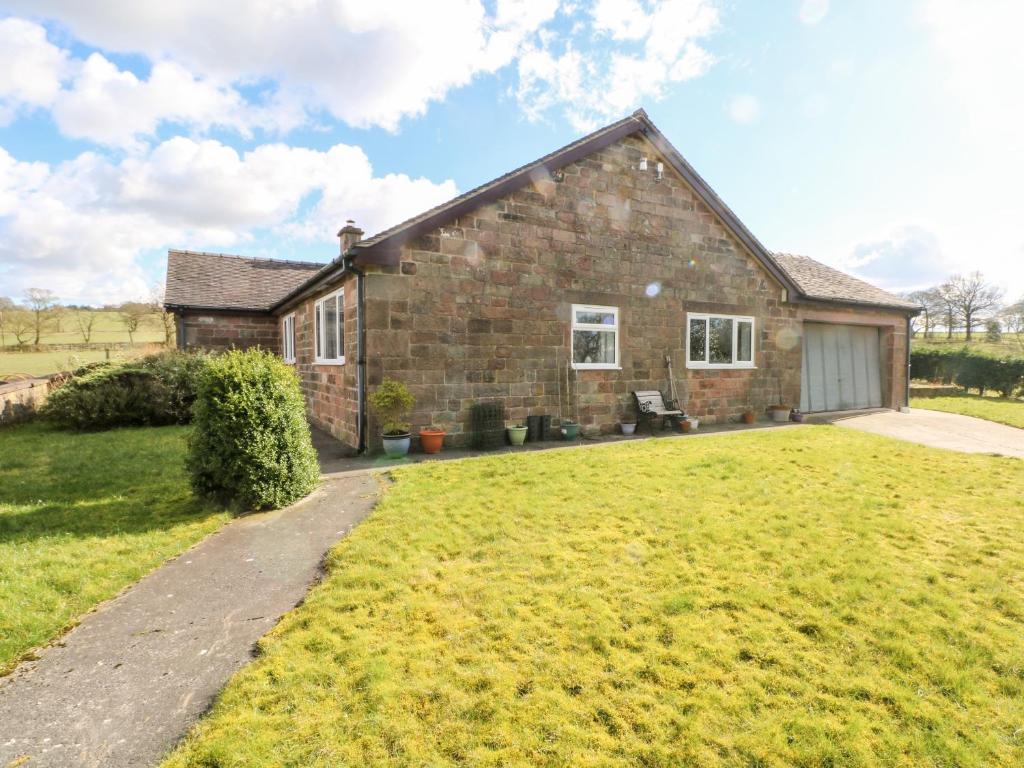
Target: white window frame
column 320, row 340
column 288, row 338
column 575, row 326
column 736, row 320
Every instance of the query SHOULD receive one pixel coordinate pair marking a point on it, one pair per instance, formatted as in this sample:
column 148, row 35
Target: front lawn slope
column 81, row 517
column 810, row 596
column 1003, row 410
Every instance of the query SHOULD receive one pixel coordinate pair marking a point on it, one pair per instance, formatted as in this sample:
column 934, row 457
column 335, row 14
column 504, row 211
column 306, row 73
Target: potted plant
column 628, row 422
column 749, row 416
column 779, row 412
column 570, row 429
column 391, row 403
column 516, row 434
column 432, row 439
column 797, row 415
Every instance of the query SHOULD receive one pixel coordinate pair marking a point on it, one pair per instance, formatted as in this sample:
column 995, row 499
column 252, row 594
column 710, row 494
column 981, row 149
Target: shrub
column 391, row 403
column 970, row 370
column 151, row 391
column 251, row 444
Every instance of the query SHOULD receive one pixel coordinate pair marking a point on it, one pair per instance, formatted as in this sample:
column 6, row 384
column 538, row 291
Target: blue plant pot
column 396, row 446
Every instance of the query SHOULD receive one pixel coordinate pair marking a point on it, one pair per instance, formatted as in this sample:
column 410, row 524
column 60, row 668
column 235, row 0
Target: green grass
column 81, row 517
column 108, row 328
column 1001, row 409
column 813, row 597
column 43, row 363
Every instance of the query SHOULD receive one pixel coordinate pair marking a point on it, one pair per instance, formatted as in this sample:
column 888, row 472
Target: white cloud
column 905, row 258
column 80, row 227
column 744, row 108
column 661, row 43
column 31, row 68
column 368, row 64
column 812, row 11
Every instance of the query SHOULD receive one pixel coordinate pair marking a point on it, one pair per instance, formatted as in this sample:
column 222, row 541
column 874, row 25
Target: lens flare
column 652, row 289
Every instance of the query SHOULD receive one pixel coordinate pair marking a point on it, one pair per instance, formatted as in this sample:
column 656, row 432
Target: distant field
column 108, row 329
column 1009, row 345
column 43, row 363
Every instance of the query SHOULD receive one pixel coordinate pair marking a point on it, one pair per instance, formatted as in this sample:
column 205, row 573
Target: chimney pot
column 350, row 234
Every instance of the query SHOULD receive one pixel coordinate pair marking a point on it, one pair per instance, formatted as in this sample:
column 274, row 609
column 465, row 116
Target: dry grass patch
column 809, row 596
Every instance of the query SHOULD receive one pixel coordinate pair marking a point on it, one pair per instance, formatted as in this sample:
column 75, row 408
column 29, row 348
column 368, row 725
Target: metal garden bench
column 651, row 404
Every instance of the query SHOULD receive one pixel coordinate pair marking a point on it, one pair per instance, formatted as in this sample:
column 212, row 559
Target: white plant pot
column 694, row 423
column 396, row 446
column 779, row 415
column 628, row 427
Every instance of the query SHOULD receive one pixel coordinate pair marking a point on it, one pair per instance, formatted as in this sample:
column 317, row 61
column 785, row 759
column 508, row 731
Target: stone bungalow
column 558, row 288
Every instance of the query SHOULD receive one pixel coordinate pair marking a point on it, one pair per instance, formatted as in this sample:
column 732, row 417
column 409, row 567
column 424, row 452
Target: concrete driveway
column 942, row 430
column 124, row 686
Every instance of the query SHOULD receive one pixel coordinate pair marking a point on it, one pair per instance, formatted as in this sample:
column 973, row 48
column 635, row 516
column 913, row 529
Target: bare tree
column 945, row 296
column 7, row 306
column 40, row 302
column 85, row 319
column 21, row 323
column 156, row 301
column 1013, row 322
column 975, row 299
column 931, row 309
column 132, row 314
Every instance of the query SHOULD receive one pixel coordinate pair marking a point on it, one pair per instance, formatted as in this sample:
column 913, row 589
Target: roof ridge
column 293, row 262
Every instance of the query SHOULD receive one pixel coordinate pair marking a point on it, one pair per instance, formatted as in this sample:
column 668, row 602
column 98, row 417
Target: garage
column 841, row 370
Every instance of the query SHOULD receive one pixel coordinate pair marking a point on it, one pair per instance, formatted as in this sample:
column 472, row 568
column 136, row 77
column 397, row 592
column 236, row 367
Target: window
column 595, row 337
column 288, row 338
column 719, row 341
column 330, row 329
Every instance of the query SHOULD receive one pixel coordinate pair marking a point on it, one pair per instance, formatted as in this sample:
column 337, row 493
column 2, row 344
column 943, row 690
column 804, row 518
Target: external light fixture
column 643, row 164
column 660, row 172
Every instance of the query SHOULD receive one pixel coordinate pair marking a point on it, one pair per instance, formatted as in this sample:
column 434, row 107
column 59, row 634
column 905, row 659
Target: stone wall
column 480, row 309
column 19, row 400
column 227, row 331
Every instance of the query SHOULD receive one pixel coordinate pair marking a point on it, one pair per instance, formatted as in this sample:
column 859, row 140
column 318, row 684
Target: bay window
column 719, row 341
column 329, row 317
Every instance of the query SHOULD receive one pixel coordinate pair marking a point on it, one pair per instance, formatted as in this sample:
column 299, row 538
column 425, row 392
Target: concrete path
column 942, row 430
column 126, row 684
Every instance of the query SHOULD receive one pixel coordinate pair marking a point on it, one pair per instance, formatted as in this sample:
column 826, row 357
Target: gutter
column 907, row 393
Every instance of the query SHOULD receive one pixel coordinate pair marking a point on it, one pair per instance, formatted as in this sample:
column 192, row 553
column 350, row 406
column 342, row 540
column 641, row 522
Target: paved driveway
column 126, row 684
column 942, row 430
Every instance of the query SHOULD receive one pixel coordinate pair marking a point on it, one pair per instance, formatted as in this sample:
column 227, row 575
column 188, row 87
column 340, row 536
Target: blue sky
column 880, row 137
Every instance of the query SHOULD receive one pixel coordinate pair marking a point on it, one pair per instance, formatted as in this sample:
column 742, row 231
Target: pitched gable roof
column 821, row 282
column 383, row 247
column 199, row 280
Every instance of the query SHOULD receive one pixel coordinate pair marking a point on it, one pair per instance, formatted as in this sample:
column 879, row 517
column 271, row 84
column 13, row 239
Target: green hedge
column 969, row 369
column 151, row 391
column 250, row 445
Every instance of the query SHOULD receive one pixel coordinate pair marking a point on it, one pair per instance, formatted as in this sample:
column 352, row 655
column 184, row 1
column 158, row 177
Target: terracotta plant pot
column 685, row 425
column 432, row 440
column 748, row 417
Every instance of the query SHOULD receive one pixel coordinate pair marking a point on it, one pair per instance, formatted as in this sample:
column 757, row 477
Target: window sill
column 330, row 362
column 287, row 361
column 596, row 367
column 721, row 367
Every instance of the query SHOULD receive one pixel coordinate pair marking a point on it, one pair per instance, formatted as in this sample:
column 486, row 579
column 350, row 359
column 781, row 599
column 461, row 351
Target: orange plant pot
column 748, row 417
column 432, row 440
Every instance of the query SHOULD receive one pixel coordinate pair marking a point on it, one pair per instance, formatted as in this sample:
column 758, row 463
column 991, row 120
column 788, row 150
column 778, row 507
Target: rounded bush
column 250, row 444
column 151, row 391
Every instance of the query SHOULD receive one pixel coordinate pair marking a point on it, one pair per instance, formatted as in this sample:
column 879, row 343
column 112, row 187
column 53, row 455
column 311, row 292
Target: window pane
column 593, row 347
column 595, row 317
column 698, row 333
column 319, row 329
column 341, row 326
column 744, row 342
column 719, row 340
column 330, row 329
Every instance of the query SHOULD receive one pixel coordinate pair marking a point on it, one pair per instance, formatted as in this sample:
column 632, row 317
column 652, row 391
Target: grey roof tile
column 818, row 281
column 223, row 281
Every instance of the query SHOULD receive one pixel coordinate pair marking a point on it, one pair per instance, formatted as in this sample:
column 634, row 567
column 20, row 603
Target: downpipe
column 360, row 351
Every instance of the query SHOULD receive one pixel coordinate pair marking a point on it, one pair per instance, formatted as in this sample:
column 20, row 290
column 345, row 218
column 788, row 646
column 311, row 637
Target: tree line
column 40, row 312
column 967, row 303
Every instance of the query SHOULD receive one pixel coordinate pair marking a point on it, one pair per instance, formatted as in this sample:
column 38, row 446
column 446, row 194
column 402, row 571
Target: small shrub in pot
column 392, row 403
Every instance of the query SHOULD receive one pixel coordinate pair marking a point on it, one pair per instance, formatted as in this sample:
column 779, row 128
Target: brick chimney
column 350, row 234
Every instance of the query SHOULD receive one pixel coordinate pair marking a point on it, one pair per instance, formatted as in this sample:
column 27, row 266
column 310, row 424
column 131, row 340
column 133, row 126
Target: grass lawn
column 810, row 596
column 81, row 517
column 108, row 328
column 1001, row 409
column 1009, row 346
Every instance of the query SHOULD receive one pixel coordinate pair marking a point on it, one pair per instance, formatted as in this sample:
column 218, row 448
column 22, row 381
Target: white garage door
column 840, row 368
